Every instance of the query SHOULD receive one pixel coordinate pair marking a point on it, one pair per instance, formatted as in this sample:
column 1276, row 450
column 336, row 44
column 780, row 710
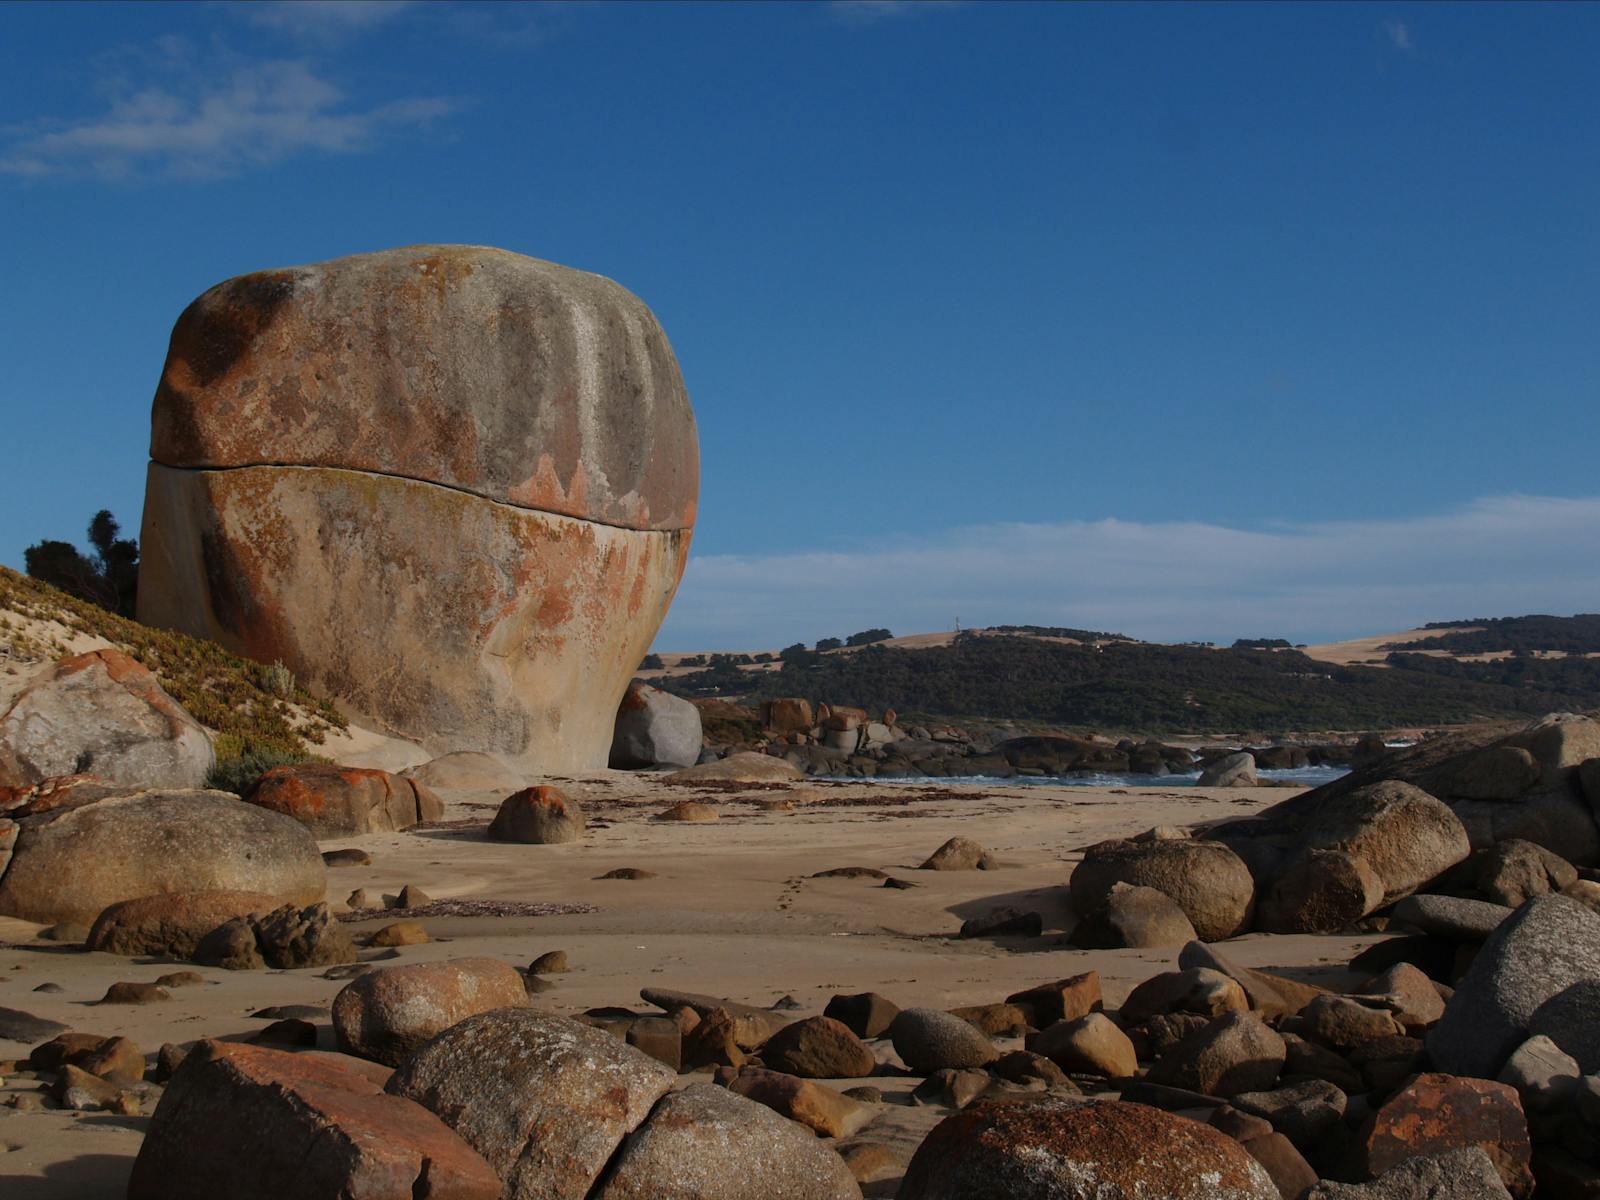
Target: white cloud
column 871, row 12
column 1399, row 34
column 1174, row 581
column 323, row 19
column 259, row 114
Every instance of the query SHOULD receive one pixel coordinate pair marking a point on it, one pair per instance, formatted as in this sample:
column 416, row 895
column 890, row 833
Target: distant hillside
column 1137, row 686
column 1535, row 634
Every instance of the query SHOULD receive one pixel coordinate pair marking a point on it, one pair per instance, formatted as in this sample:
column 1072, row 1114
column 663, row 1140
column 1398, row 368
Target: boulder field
column 449, row 486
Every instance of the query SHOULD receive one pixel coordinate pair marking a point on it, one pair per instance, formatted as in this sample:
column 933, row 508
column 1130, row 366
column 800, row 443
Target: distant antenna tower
column 958, row 624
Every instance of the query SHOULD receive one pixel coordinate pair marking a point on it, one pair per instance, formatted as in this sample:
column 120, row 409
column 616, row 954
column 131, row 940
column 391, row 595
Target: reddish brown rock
column 1073, row 1150
column 818, row 1048
column 539, row 815
column 170, row 925
column 251, row 1123
column 1233, row 1053
column 333, row 801
column 1064, row 1000
column 1436, row 1113
column 115, row 1059
column 484, row 475
column 386, row 1014
column 820, row 1109
column 789, row 714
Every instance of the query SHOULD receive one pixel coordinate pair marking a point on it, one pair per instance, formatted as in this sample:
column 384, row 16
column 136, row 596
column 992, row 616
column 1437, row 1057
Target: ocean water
column 1304, row 776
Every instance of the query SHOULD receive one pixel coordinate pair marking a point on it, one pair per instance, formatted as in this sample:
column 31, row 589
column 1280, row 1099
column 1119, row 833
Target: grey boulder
column 1547, row 946
column 104, row 714
column 655, row 729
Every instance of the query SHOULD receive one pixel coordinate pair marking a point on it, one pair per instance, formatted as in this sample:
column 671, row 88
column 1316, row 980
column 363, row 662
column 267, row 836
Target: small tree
column 109, row 579
column 829, row 644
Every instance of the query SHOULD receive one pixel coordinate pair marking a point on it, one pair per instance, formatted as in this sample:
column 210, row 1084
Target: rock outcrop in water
column 450, row 486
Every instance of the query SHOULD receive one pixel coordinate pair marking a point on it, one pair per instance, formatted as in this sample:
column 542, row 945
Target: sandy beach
column 732, row 910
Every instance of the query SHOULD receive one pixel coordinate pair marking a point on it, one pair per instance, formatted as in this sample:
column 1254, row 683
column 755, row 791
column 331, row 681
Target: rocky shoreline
column 1451, row 1055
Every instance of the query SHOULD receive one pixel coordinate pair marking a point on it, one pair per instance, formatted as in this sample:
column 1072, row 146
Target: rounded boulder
column 546, row 1100
column 708, row 1143
column 655, row 729
column 387, row 1014
column 540, row 815
column 928, row 1040
column 336, row 801
column 71, row 864
column 1208, row 881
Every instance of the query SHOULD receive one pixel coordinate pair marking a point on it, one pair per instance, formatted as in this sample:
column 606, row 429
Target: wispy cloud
column 259, row 113
column 322, row 19
column 1165, row 581
column 1399, row 34
column 872, row 12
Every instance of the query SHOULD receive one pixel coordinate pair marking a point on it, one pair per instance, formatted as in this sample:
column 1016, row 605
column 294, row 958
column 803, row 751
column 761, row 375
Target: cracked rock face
column 449, row 486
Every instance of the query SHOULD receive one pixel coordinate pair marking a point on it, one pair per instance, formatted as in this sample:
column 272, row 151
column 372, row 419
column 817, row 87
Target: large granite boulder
column 104, row 714
column 1080, row 1150
column 543, row 1098
column 73, row 862
column 655, row 729
column 1548, row 947
column 251, row 1123
column 336, row 801
column 1205, row 879
column 450, row 486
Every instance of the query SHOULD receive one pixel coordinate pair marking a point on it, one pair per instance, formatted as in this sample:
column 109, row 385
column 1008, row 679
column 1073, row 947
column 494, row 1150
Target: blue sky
column 1185, row 320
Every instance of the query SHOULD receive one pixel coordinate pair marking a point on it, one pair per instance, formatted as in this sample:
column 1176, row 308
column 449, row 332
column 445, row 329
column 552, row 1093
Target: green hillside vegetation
column 258, row 711
column 1578, row 634
column 1153, row 688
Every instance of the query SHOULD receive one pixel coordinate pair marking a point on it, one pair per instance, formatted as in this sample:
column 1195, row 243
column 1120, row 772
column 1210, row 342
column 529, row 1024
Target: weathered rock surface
column 1269, row 995
column 70, row 864
column 1548, row 945
column 865, row 1014
column 1437, row 1113
column 655, row 729
column 1323, row 891
column 818, row 1048
column 820, row 1109
column 706, row 1143
column 1091, row 1045
column 544, row 1099
column 1463, row 1174
column 1233, row 1053
column 104, row 714
column 1134, row 918
column 1515, row 871
column 485, row 458
column 334, row 801
column 251, row 1123
column 172, row 924
column 1205, row 879
column 386, row 1014
column 1453, row 917
column 1074, row 1150
column 539, row 815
